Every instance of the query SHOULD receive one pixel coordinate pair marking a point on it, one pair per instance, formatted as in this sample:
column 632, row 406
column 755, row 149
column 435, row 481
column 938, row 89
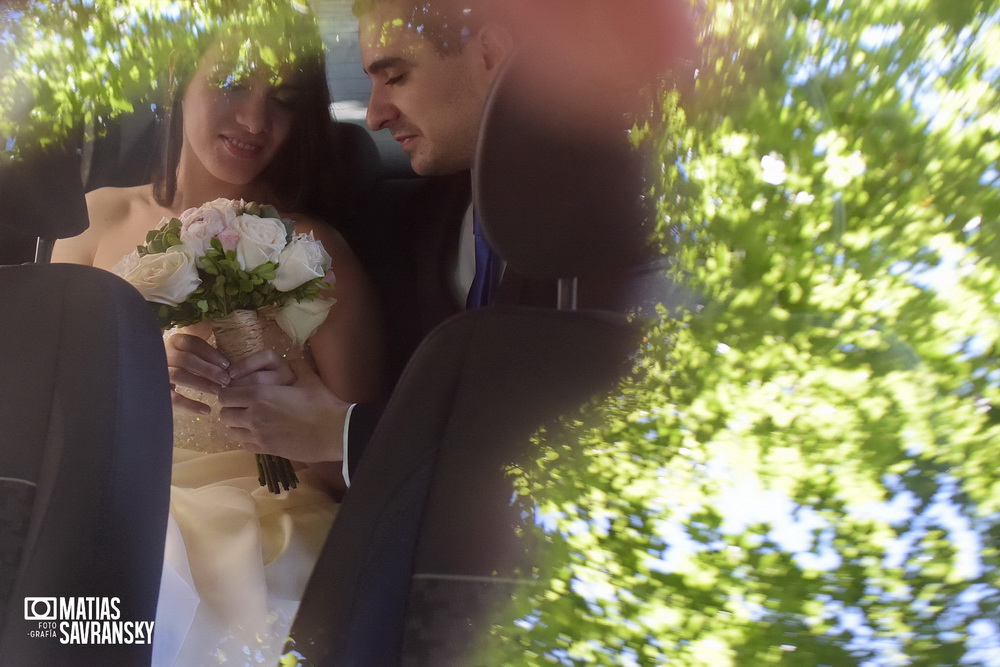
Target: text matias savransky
column 85, row 620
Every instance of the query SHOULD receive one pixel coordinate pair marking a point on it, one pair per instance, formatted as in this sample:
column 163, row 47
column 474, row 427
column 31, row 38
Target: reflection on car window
column 801, row 469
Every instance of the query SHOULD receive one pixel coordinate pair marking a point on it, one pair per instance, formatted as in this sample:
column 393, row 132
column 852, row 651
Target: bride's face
column 237, row 117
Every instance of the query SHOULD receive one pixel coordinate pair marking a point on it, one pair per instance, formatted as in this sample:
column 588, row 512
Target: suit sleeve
column 360, row 426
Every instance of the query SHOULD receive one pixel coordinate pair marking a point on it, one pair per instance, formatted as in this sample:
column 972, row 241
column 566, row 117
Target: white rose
column 125, row 264
column 303, row 259
column 261, row 240
column 165, row 277
column 200, row 225
column 299, row 319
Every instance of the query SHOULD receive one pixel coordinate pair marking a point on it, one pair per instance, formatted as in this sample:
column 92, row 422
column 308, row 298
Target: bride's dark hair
column 282, row 32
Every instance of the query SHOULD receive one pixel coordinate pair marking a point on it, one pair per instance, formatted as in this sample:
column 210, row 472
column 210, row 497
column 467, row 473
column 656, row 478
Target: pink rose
column 213, row 219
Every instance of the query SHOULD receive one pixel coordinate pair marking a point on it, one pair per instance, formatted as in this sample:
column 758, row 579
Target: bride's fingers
column 265, row 367
column 185, row 378
column 183, row 402
column 196, row 356
column 197, row 346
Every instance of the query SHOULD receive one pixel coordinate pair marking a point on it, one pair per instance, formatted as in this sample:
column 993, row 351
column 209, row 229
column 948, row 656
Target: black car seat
column 41, row 200
column 85, row 436
column 424, row 547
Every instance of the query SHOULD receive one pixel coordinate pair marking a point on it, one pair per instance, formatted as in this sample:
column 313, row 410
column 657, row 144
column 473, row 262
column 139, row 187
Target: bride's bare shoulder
column 322, row 231
column 112, row 207
column 112, row 212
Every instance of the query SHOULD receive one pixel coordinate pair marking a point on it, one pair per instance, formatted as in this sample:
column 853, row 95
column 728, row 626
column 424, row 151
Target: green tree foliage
column 801, row 469
column 67, row 68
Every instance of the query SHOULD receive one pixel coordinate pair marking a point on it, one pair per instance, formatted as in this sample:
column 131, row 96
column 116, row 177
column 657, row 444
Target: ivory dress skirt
column 237, row 556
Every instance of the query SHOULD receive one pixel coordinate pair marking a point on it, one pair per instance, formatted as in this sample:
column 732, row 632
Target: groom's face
column 430, row 101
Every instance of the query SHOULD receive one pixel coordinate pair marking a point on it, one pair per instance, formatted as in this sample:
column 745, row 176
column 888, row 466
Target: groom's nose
column 381, row 111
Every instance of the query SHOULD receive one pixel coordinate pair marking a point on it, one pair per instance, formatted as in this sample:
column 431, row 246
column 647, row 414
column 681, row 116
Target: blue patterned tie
column 488, row 266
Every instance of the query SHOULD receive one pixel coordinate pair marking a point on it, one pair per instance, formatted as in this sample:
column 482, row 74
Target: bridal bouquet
column 222, row 261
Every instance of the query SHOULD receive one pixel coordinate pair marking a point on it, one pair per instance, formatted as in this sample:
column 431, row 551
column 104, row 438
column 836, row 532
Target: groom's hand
column 303, row 421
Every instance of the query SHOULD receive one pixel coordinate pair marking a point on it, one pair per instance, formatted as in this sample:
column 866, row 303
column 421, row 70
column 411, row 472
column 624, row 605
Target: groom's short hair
column 445, row 23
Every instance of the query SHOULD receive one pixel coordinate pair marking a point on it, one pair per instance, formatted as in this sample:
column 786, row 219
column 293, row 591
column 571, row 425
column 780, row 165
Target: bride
column 240, row 125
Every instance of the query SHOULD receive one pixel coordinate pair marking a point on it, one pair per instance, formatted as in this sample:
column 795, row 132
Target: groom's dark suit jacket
column 407, row 238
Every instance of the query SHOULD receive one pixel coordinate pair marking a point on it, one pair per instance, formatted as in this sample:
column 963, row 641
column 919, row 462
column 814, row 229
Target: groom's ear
column 496, row 44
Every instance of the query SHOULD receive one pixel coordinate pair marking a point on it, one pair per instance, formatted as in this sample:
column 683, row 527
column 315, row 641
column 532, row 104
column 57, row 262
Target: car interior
column 735, row 401
column 425, row 547
column 87, row 429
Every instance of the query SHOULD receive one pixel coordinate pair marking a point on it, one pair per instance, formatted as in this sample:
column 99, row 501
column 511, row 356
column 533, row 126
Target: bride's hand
column 266, row 367
column 193, row 363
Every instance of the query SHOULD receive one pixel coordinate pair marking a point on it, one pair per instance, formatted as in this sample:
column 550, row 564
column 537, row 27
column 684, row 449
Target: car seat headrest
column 42, row 195
column 557, row 184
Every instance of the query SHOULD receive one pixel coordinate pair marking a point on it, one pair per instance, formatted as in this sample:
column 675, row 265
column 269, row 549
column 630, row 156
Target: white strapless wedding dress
column 237, row 557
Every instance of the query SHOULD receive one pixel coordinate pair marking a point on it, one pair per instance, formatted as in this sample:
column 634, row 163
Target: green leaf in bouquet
column 266, row 271
column 163, row 313
column 253, row 208
column 202, row 305
column 158, row 240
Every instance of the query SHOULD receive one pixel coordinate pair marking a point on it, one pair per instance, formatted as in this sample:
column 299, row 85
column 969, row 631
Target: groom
column 432, row 65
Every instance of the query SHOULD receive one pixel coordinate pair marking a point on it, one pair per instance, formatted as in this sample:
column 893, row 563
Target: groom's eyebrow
column 385, row 63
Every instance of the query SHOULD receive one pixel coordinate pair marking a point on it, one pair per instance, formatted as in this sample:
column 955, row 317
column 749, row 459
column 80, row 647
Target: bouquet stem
column 238, row 335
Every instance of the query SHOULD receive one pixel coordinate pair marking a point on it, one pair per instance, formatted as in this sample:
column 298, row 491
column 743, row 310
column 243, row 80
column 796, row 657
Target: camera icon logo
column 40, row 609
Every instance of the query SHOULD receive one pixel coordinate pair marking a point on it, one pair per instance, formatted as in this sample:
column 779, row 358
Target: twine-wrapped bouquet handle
column 239, row 335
